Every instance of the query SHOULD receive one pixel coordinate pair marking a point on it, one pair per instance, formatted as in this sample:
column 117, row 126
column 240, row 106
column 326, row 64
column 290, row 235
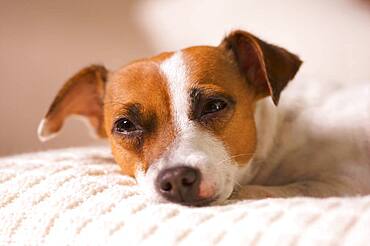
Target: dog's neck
column 266, row 119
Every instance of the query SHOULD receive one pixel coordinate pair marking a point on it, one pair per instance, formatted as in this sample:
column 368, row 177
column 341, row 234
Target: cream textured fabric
column 79, row 197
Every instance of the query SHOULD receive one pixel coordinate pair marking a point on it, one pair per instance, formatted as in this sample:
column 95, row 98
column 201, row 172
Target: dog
column 204, row 124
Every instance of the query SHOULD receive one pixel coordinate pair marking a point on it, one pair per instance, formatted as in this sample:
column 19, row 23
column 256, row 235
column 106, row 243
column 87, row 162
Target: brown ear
column 267, row 67
column 81, row 95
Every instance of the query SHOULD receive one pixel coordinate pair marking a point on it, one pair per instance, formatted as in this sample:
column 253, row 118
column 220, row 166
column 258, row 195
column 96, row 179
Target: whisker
column 233, row 156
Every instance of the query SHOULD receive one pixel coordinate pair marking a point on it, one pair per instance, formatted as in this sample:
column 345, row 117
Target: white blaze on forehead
column 175, row 70
column 193, row 146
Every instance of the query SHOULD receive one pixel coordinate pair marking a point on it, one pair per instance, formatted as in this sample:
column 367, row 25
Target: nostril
column 179, row 184
column 189, row 179
column 166, row 186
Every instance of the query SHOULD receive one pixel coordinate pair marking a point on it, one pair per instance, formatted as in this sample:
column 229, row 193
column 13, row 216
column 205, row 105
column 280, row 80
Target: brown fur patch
column 242, row 69
column 139, row 83
column 80, row 95
column 267, row 67
column 212, row 70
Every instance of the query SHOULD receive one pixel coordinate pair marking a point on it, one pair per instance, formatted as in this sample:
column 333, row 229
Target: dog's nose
column 179, row 184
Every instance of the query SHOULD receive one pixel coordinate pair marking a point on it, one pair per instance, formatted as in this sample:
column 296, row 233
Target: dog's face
column 181, row 122
column 179, row 110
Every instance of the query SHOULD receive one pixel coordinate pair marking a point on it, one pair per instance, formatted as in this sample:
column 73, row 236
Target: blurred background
column 43, row 43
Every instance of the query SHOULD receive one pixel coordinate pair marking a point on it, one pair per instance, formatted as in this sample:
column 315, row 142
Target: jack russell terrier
column 197, row 127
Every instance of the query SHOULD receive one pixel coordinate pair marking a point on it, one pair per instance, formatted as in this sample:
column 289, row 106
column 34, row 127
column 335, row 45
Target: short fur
column 315, row 143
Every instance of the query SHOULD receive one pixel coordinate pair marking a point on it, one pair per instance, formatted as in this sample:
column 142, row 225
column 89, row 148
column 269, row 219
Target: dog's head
column 181, row 122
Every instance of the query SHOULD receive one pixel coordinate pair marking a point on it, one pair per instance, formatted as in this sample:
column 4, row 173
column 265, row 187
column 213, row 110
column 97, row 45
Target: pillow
column 78, row 196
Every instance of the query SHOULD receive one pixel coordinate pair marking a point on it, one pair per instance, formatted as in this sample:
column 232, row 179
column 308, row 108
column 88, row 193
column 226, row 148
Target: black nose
column 179, row 184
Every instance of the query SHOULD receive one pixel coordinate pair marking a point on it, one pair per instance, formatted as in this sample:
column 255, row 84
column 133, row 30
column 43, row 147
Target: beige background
column 42, row 43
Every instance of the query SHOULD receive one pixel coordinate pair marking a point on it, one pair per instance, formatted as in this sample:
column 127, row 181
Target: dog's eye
column 124, row 126
column 213, row 106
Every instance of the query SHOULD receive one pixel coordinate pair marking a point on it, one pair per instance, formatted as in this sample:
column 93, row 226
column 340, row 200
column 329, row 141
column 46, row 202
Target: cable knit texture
column 79, row 197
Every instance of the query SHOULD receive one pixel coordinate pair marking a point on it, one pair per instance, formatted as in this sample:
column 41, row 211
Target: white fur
column 193, row 146
column 320, row 131
column 196, row 148
column 175, row 70
column 43, row 131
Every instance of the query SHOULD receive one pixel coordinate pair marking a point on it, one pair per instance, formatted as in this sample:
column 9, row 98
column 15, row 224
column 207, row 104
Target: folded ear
column 81, row 95
column 268, row 68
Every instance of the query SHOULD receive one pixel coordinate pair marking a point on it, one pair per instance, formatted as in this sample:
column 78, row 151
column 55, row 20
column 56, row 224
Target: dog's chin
column 217, row 199
column 208, row 201
column 223, row 196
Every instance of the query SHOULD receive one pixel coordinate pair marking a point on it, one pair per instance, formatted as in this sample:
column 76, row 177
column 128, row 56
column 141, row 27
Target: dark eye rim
column 210, row 100
column 137, row 132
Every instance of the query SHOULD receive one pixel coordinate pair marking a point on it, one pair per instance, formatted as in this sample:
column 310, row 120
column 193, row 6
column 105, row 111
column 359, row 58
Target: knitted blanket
column 79, row 197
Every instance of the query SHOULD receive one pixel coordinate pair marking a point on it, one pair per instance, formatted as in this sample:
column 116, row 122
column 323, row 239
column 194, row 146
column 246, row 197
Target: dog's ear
column 81, row 95
column 268, row 68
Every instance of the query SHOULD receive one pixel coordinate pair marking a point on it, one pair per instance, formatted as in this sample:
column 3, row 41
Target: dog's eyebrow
column 133, row 109
column 197, row 93
column 126, row 108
